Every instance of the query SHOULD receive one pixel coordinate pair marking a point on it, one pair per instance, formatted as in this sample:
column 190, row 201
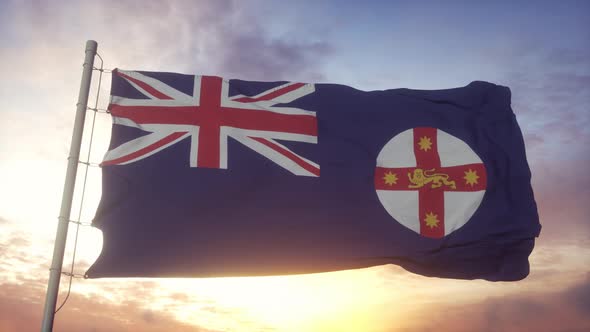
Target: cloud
column 20, row 264
column 19, row 241
column 21, row 310
column 16, row 244
column 561, row 191
column 255, row 57
column 550, row 90
column 550, row 93
column 551, row 310
column 209, row 37
column 225, row 38
column 574, row 58
column 579, row 296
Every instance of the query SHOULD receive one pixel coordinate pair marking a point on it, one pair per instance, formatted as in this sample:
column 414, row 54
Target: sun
column 390, row 178
column 431, row 220
column 425, row 143
column 471, row 177
column 310, row 303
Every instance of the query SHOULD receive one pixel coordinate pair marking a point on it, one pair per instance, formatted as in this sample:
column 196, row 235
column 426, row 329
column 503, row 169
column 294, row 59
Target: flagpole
column 68, row 192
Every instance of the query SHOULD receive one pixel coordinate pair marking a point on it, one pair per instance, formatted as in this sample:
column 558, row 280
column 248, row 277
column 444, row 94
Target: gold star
column 431, row 220
column 390, row 178
column 471, row 177
column 425, row 143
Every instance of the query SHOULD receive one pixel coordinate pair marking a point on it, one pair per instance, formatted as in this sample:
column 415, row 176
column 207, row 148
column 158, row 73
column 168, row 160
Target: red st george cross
column 209, row 116
column 431, row 180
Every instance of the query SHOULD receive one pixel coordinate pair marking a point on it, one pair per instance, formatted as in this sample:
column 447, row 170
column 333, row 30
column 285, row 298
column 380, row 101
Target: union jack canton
column 209, row 116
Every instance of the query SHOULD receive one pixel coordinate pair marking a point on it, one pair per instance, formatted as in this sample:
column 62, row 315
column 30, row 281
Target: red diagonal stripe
column 145, row 86
column 209, row 116
column 146, row 150
column 295, row 158
column 272, row 94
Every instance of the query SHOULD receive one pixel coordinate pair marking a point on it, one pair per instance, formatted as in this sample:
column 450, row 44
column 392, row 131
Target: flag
column 208, row 177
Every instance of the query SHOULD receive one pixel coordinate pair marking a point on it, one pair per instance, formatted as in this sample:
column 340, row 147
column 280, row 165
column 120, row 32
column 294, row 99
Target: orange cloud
column 566, row 310
column 21, row 309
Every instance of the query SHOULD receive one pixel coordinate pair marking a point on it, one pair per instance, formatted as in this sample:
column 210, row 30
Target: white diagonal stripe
column 283, row 98
column 268, row 105
column 152, row 127
column 139, row 143
column 122, row 101
column 277, row 157
column 156, row 84
column 271, row 135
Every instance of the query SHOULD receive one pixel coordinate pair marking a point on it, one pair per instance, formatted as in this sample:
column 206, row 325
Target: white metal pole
column 68, row 192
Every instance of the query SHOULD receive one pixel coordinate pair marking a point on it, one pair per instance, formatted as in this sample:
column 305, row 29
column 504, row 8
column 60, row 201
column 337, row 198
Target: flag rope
column 81, row 223
column 88, row 164
column 98, row 110
column 101, row 69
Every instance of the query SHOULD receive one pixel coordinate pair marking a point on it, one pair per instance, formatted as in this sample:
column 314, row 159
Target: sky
column 540, row 49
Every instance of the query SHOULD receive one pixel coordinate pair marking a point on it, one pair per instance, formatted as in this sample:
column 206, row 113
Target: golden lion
column 421, row 177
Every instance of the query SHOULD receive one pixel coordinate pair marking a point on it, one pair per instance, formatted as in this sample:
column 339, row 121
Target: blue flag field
column 207, row 177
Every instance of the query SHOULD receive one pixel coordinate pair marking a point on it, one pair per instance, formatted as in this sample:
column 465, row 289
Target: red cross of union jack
column 209, row 116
